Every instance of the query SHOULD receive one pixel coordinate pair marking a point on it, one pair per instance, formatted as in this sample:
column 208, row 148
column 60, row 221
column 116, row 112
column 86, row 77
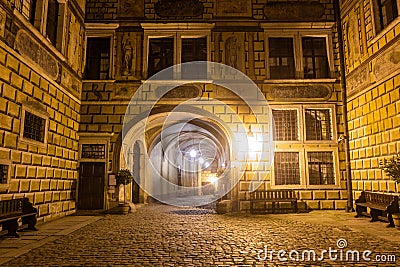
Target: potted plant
column 392, row 169
column 123, row 177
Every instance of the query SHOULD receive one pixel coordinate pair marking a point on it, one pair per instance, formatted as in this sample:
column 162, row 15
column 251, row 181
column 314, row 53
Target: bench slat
column 380, row 204
column 13, row 209
column 259, row 197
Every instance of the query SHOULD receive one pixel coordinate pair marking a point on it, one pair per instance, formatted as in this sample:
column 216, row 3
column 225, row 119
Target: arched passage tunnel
column 187, row 158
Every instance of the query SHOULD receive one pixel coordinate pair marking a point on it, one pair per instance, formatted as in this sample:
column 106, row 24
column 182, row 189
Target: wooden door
column 91, row 186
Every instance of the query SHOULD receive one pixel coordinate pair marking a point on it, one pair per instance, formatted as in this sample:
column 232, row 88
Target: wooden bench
column 259, row 200
column 381, row 205
column 14, row 209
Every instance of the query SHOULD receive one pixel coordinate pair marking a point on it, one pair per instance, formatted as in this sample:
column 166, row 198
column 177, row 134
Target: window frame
column 332, row 109
column 299, row 120
column 295, row 59
column 297, row 32
column 95, row 139
column 336, row 172
column 99, row 30
column 37, row 112
column 38, row 23
column 6, row 186
column 19, row 6
column 303, row 146
column 376, row 19
column 109, row 57
column 301, row 169
column 56, row 22
column 178, row 31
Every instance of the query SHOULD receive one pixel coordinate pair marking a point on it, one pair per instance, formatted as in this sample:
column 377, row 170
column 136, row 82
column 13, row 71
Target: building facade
column 41, row 47
column 70, row 69
column 371, row 40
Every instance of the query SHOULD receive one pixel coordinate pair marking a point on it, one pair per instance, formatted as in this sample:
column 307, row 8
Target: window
column 194, row 49
column 170, row 44
column 5, row 166
column 296, row 51
column 47, row 16
column 287, row 168
column 285, row 125
column 27, row 9
column 161, row 54
column 94, row 151
column 385, row 12
column 281, row 58
column 34, row 127
column 34, row 123
column 52, row 19
column 3, row 174
column 304, row 136
column 320, row 168
column 315, row 59
column 318, row 124
column 97, row 58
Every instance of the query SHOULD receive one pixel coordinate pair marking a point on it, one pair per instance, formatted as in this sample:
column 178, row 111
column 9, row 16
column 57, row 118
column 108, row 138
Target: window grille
column 286, row 125
column 94, row 151
column 3, row 173
column 287, row 168
column 318, row 124
column 320, row 168
column 34, row 127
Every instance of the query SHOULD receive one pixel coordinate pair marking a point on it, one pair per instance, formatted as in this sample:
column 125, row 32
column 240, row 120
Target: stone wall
column 46, row 175
column 104, row 102
column 372, row 73
column 103, row 10
column 34, row 74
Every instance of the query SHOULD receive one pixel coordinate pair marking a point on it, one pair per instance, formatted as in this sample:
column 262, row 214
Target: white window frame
column 178, row 31
column 300, row 132
column 303, row 177
column 332, row 109
column 303, row 146
column 336, row 172
column 100, row 30
column 37, row 112
column 5, row 186
column 297, row 31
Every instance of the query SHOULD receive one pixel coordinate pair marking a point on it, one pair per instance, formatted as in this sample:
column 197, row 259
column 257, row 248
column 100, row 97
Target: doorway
column 91, row 186
column 136, row 173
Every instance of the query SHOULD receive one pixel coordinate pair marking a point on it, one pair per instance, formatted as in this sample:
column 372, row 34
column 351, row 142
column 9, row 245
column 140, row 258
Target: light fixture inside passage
column 212, row 178
column 193, row 153
column 201, row 160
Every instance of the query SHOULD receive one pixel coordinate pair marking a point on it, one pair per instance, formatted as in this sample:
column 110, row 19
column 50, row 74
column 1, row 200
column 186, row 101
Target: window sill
column 304, row 187
column 46, row 42
column 297, row 81
column 177, row 81
column 387, row 29
column 32, row 142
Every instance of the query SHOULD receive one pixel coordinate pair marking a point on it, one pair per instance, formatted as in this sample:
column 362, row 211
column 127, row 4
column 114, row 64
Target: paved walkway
column 158, row 235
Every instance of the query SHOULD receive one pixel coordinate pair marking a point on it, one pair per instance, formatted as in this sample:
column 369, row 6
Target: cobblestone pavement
column 158, row 235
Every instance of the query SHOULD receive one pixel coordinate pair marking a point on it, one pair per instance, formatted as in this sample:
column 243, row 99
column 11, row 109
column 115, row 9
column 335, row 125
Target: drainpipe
column 349, row 206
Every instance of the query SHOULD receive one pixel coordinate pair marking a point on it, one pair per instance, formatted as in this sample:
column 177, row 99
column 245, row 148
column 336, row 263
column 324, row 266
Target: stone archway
column 166, row 155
